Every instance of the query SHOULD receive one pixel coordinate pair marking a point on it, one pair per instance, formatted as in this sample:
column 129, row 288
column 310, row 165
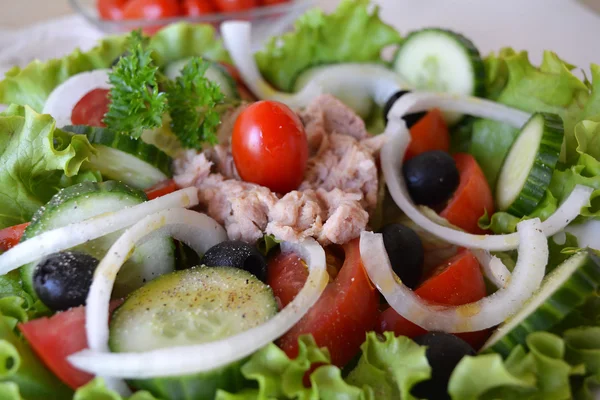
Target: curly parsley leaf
column 194, row 103
column 136, row 101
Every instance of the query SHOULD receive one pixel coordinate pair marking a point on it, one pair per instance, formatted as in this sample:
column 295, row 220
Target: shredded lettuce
column 33, row 84
column 353, row 33
column 34, row 157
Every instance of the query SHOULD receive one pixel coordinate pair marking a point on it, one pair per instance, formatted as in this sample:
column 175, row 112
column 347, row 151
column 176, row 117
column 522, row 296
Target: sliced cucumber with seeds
column 441, row 60
column 123, row 158
column 563, row 290
column 89, row 199
column 215, row 73
column 192, row 306
column 529, row 165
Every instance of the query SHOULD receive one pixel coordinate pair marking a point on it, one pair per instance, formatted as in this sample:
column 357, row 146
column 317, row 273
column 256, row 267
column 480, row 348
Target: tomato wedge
column 429, row 133
column 91, row 108
column 161, row 188
column 54, row 339
column 345, row 312
column 457, row 281
column 10, row 237
column 472, row 198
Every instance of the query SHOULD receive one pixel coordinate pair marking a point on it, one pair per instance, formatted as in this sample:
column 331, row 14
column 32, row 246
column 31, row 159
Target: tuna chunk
column 346, row 217
column 344, row 163
column 191, row 168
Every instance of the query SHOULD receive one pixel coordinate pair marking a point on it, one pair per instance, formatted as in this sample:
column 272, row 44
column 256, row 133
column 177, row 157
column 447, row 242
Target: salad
column 183, row 219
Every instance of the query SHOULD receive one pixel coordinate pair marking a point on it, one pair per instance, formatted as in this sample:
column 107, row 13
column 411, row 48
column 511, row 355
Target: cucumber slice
column 215, row 73
column 89, row 199
column 563, row 290
column 123, row 158
column 529, row 164
column 192, row 306
column 441, row 60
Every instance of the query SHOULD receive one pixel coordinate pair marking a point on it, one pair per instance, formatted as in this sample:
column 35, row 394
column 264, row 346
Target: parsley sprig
column 194, row 103
column 136, row 101
column 141, row 95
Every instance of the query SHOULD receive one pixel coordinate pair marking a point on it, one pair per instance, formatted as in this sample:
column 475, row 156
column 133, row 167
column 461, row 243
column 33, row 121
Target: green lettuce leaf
column 33, row 84
column 97, row 390
column 543, row 372
column 391, row 367
column 352, row 33
column 34, row 156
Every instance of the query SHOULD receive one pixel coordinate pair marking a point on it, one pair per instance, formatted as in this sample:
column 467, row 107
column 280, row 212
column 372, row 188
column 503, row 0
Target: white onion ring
column 183, row 360
column 63, row 99
column 493, row 268
column 485, row 313
column 392, row 156
column 75, row 234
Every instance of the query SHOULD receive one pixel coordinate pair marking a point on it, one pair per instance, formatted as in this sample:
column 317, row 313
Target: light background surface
column 566, row 26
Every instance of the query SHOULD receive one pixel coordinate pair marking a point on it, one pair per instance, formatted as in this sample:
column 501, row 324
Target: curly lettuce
column 34, row 158
column 33, row 84
column 353, row 33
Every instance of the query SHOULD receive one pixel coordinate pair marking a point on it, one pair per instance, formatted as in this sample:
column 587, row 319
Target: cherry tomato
column 472, row 197
column 10, row 237
column 90, row 109
column 269, row 146
column 457, row 281
column 235, row 5
column 151, row 9
column 54, row 339
column 111, row 9
column 429, row 133
column 194, row 8
column 161, row 189
column 345, row 312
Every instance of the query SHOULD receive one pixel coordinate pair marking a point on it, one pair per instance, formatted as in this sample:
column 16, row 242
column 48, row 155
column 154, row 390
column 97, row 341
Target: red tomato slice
column 458, row 281
column 235, row 5
column 286, row 275
column 54, row 339
column 161, row 188
column 194, row 8
column 273, row 2
column 91, row 108
column 345, row 312
column 429, row 133
column 472, row 197
column 111, row 9
column 269, row 146
column 10, row 237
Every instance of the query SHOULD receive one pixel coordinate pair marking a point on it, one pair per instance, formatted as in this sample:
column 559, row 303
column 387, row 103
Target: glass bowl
column 266, row 21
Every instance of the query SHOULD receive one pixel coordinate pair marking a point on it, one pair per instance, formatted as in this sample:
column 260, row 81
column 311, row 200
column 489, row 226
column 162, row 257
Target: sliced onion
column 493, row 268
column 485, row 313
column 75, row 234
column 63, row 99
column 587, row 233
column 183, row 360
column 399, row 139
column 371, row 81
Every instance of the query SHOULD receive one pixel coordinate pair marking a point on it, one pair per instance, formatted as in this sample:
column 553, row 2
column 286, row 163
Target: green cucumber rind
column 147, row 153
column 63, row 197
column 544, row 164
column 470, row 49
column 573, row 292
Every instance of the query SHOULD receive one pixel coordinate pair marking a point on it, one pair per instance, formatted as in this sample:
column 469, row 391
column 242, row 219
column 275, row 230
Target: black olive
column 444, row 351
column 431, row 177
column 62, row 280
column 410, row 119
column 405, row 251
column 238, row 254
